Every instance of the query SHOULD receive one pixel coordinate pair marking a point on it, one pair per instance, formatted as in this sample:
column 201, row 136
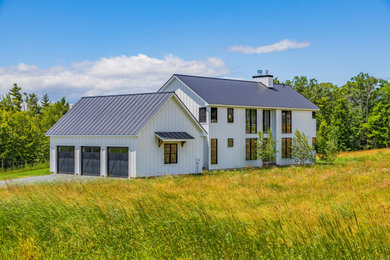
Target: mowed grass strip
column 28, row 171
column 321, row 211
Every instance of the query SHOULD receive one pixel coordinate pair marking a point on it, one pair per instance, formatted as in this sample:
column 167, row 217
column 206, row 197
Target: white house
column 191, row 123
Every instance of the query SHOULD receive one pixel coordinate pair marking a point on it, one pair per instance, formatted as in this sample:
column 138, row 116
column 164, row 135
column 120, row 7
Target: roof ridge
column 133, row 94
column 206, row 77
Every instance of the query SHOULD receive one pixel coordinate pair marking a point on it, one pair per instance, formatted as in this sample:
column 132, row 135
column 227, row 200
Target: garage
column 65, row 155
column 118, row 162
column 90, row 160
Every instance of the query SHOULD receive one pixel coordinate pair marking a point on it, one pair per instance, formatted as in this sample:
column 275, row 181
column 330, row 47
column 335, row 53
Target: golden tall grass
column 321, row 211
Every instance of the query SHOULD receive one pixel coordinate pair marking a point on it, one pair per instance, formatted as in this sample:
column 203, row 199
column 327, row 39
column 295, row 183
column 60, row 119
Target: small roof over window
column 173, row 136
column 181, row 137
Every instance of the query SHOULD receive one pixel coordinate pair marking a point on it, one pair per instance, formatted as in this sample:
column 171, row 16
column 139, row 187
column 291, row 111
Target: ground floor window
column 286, row 148
column 170, row 153
column 214, row 151
column 313, row 143
column 230, row 142
column 250, row 149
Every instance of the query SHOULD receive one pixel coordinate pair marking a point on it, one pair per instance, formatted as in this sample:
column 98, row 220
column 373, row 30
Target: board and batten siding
column 191, row 100
column 233, row 157
column 150, row 158
column 301, row 120
column 101, row 141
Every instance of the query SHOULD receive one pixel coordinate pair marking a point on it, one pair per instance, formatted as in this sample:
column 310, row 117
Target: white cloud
column 283, row 45
column 121, row 74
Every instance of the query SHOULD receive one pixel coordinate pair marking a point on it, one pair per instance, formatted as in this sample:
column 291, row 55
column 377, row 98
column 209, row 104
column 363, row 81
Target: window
column 286, row 148
column 214, row 115
column 266, row 120
column 250, row 149
column 202, row 115
column 230, row 142
column 313, row 115
column 230, row 115
column 214, row 151
column 251, row 121
column 313, row 143
column 286, row 122
column 170, row 153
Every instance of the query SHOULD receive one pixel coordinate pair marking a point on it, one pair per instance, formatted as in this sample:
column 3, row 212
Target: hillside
column 327, row 211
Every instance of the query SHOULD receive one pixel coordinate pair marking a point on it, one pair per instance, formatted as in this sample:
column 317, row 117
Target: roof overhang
column 181, row 137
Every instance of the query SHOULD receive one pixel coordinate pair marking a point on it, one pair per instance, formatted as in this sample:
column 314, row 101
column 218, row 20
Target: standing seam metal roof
column 245, row 93
column 174, row 135
column 110, row 115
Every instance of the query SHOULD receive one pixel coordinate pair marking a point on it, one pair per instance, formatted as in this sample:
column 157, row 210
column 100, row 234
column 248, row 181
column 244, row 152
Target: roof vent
column 264, row 77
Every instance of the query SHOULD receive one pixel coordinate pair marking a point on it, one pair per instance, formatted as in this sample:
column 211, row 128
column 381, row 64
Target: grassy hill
column 321, row 211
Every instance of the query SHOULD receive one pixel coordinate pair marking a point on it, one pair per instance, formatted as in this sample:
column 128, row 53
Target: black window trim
column 249, row 130
column 216, row 151
column 285, row 122
column 232, row 139
column 227, row 115
column 269, row 120
column 202, row 117
column 216, row 115
column 285, row 152
column 252, row 153
column 170, row 152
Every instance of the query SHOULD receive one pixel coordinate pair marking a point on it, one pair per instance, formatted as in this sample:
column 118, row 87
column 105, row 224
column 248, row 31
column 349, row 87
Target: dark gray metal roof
column 174, row 135
column 233, row 92
column 110, row 115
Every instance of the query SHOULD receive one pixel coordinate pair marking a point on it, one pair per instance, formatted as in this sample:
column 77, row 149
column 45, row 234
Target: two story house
column 192, row 123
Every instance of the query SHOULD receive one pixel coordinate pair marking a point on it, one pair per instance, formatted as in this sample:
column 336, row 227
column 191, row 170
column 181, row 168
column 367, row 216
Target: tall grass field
column 322, row 211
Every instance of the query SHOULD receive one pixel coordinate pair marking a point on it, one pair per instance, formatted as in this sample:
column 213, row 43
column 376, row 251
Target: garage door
column 65, row 163
column 91, row 160
column 118, row 162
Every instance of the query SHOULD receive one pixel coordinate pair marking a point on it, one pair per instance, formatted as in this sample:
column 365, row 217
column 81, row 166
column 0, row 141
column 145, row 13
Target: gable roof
column 110, row 115
column 217, row 91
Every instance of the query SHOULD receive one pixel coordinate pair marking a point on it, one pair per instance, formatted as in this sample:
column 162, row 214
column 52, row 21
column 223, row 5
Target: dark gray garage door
column 91, row 160
column 65, row 159
column 118, row 162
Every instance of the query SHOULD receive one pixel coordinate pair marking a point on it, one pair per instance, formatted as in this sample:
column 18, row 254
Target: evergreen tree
column 16, row 97
column 45, row 101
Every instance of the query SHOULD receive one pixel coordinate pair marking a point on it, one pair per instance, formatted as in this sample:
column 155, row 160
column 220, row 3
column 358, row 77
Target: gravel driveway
column 46, row 178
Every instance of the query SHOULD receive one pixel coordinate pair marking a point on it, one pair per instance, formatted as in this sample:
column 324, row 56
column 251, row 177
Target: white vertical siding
column 150, row 157
column 79, row 141
column 302, row 121
column 233, row 157
column 191, row 100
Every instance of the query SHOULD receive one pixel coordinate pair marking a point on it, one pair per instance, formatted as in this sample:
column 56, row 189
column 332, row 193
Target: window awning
column 173, row 137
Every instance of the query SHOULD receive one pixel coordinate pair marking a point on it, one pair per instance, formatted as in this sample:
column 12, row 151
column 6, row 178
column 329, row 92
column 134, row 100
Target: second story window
column 286, row 122
column 266, row 120
column 202, row 115
column 214, row 115
column 251, row 121
column 230, row 115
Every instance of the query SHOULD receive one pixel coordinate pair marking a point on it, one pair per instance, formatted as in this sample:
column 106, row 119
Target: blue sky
column 76, row 48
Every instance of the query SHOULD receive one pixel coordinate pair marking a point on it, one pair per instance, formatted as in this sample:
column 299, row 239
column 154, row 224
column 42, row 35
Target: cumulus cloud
column 283, row 45
column 121, row 74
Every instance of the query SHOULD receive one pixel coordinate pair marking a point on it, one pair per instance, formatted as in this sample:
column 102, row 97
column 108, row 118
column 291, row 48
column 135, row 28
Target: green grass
column 322, row 211
column 26, row 171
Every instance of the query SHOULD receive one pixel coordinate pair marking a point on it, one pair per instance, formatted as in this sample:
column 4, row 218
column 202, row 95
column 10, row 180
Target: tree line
column 24, row 120
column 353, row 116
